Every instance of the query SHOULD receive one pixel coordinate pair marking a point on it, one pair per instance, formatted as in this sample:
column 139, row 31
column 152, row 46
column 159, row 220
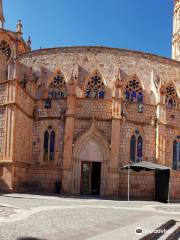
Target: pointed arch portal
column 91, row 156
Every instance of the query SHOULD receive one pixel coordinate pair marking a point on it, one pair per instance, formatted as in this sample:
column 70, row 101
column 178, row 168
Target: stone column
column 68, row 137
column 161, row 127
column 115, row 139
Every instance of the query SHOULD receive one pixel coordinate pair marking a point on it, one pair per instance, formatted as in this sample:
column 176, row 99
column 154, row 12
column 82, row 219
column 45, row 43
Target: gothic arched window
column 46, row 146
column 57, row 89
column 171, row 97
column 136, row 148
column 176, row 153
column 49, row 146
column 5, row 48
column 133, row 91
column 133, row 149
column 139, row 148
column 52, row 145
column 95, row 87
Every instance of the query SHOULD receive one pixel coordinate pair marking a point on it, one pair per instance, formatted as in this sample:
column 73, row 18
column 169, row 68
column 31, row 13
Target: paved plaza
column 38, row 217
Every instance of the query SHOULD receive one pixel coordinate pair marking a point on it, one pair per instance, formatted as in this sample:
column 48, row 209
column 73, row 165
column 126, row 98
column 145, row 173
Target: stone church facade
column 74, row 116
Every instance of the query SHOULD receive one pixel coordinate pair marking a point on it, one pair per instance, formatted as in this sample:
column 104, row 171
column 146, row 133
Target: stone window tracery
column 136, row 148
column 176, row 153
column 95, row 87
column 57, row 89
column 171, row 97
column 133, row 91
column 49, row 146
column 5, row 48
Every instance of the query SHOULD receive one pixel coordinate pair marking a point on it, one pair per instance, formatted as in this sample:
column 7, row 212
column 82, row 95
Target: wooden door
column 86, row 178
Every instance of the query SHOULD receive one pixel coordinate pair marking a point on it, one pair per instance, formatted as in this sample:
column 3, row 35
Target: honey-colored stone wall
column 84, row 60
column 3, row 67
column 3, row 88
column 22, row 152
column 112, row 120
column 142, row 185
column 100, row 109
column 44, row 178
column 130, row 111
column 174, row 186
column 6, row 177
column 2, row 131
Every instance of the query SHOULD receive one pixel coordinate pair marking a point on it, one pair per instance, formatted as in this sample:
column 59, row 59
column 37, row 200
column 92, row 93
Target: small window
column 47, row 103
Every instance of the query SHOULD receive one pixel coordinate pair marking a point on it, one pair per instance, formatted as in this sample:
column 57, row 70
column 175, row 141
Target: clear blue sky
column 144, row 25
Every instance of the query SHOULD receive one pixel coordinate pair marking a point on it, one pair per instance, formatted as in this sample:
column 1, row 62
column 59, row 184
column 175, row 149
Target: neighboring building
column 75, row 115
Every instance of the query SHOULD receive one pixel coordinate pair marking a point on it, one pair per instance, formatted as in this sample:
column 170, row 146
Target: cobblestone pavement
column 25, row 216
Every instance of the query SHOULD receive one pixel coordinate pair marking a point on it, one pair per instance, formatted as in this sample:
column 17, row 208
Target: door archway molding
column 95, row 135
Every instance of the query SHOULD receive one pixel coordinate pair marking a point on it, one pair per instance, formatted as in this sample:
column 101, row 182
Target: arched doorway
column 91, row 158
column 91, row 155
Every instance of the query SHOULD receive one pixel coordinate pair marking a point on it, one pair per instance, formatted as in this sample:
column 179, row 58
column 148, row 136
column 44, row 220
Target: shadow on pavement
column 29, row 238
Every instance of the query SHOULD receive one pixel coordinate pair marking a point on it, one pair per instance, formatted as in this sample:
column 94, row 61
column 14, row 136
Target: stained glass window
column 139, row 148
column 95, row 87
column 46, row 145
column 57, row 87
column 176, row 154
column 51, row 148
column 133, row 91
column 133, row 149
column 5, row 48
column 136, row 148
column 171, row 97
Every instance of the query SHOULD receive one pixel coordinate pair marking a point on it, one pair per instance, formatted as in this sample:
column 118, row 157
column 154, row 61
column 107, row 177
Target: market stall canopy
column 146, row 166
column 162, row 177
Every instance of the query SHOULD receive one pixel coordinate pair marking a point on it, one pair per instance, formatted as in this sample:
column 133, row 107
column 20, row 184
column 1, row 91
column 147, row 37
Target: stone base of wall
column 6, row 177
column 43, row 179
column 175, row 186
column 142, row 185
column 21, row 176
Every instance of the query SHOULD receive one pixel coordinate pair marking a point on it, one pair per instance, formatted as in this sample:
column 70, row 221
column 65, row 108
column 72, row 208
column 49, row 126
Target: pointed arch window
column 136, row 148
column 171, row 97
column 57, row 89
column 49, row 146
column 176, row 153
column 95, row 87
column 139, row 148
column 133, row 91
column 133, row 149
column 46, row 145
column 52, row 145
